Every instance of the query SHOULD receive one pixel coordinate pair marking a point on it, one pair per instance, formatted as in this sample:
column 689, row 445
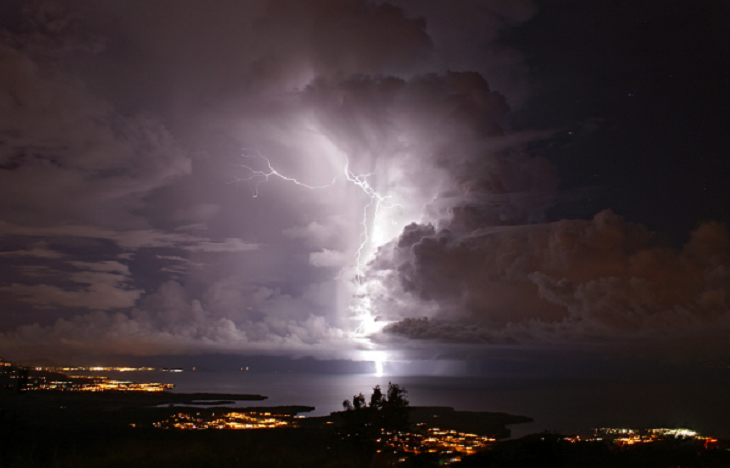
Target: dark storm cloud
column 342, row 37
column 466, row 38
column 565, row 281
column 196, row 55
column 107, row 285
column 37, row 250
column 132, row 239
column 67, row 156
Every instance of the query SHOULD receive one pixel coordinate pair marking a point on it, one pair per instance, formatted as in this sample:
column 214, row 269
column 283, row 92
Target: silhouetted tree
column 362, row 423
column 395, row 411
column 376, row 399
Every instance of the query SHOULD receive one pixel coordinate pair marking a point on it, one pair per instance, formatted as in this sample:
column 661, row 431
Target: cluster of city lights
column 96, row 385
column 627, row 437
column 449, row 444
column 233, row 420
column 97, row 369
column 435, row 440
column 22, row 379
column 105, row 369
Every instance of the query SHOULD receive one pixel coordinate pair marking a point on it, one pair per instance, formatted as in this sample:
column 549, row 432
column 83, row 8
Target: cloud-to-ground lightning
column 376, row 199
column 362, row 311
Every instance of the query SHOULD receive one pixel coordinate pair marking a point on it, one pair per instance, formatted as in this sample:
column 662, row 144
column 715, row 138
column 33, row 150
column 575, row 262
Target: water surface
column 557, row 404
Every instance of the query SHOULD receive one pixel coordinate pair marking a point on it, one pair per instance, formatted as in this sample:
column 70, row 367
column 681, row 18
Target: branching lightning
column 375, row 199
column 376, row 202
column 263, row 176
column 356, row 303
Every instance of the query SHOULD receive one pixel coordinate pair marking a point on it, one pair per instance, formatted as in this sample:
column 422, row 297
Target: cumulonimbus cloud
column 95, row 153
column 557, row 282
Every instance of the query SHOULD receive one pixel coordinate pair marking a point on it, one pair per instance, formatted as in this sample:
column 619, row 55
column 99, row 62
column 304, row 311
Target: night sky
column 378, row 181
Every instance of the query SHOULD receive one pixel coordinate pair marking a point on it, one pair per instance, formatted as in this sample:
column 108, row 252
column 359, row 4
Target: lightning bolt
column 375, row 199
column 359, row 304
column 263, row 176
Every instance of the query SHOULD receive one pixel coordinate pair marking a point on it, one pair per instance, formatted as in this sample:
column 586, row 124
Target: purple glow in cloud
column 410, row 196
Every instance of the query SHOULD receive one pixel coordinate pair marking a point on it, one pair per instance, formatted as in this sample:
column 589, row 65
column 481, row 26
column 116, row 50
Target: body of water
column 564, row 405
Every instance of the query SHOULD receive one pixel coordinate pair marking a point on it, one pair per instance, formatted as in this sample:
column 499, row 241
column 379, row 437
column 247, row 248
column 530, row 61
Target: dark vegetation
column 112, row 447
column 80, row 430
column 552, row 451
column 474, row 422
column 362, row 423
column 390, row 412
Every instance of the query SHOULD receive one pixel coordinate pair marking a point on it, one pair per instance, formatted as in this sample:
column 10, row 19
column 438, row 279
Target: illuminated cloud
column 128, row 225
column 314, row 233
column 328, row 258
column 169, row 322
